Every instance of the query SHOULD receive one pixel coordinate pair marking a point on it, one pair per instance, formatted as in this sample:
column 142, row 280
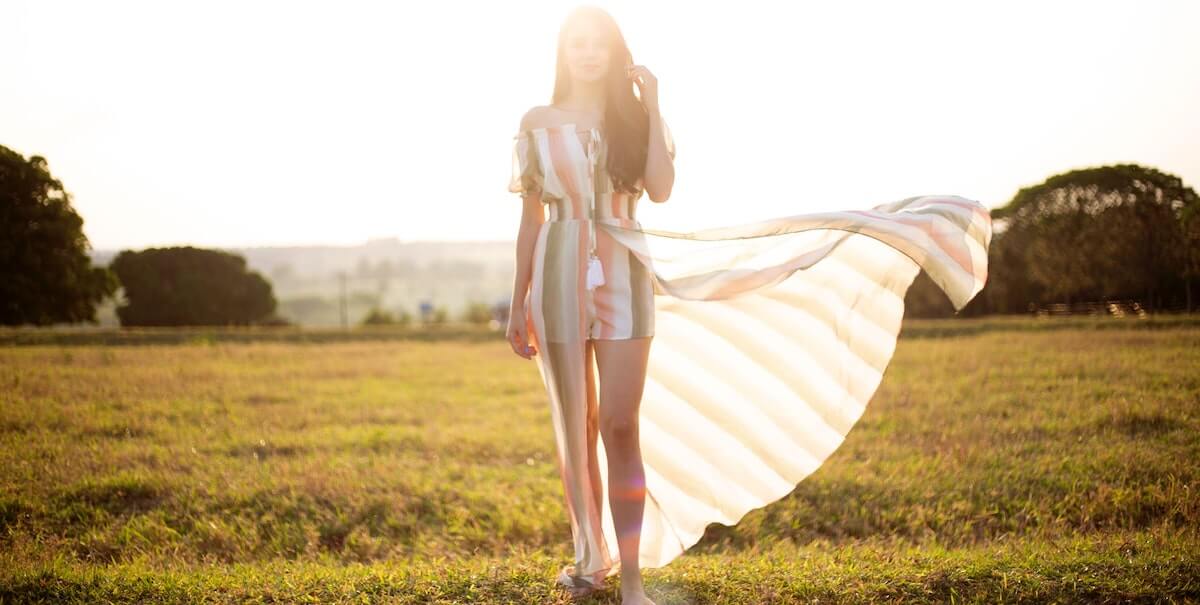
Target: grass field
column 1001, row 460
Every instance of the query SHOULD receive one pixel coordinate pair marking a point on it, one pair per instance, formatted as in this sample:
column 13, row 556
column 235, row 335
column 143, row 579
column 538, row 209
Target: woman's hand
column 518, row 334
column 646, row 82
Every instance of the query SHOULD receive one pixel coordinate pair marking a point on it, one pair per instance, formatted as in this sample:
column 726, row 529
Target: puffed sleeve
column 526, row 176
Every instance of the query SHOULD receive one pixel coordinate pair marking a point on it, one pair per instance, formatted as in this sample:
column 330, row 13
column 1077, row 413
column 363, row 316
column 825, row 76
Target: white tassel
column 595, row 276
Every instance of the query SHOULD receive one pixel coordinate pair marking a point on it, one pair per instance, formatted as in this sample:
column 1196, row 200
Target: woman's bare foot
column 638, row 598
column 633, row 593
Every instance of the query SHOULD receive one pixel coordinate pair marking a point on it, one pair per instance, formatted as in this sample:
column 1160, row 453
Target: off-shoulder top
column 546, row 161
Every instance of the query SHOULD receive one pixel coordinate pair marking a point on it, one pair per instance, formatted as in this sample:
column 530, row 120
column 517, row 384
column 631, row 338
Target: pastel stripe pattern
column 770, row 338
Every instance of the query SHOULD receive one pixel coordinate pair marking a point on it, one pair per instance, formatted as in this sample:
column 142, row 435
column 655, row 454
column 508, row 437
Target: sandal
column 578, row 587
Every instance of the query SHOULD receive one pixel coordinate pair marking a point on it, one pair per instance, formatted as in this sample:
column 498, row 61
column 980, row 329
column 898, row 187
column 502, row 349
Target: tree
column 477, row 313
column 1191, row 232
column 46, row 275
column 378, row 317
column 185, row 286
column 1116, row 231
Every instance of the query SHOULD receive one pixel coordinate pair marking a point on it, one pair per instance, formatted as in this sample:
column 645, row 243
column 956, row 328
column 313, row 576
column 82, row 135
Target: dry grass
column 1001, row 460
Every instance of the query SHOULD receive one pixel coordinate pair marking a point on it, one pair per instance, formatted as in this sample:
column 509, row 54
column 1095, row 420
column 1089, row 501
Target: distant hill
column 392, row 274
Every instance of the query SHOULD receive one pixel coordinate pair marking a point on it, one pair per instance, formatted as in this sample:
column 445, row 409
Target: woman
column 769, row 338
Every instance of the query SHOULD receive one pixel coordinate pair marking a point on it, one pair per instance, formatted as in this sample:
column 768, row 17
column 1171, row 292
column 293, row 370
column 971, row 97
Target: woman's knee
column 620, row 428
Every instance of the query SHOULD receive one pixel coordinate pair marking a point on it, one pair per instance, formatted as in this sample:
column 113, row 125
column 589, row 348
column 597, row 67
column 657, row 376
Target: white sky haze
column 275, row 123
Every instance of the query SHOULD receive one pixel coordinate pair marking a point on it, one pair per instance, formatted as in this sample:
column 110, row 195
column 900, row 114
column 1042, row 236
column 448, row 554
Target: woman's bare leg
column 622, row 368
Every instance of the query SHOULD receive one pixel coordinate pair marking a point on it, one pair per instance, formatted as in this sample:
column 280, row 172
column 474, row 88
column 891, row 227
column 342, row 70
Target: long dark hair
column 626, row 121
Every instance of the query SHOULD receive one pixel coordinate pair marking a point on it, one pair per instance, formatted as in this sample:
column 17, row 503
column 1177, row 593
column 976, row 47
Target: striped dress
column 770, row 337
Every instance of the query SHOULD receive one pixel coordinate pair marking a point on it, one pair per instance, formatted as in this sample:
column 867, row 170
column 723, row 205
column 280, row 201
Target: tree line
column 1124, row 231
column 1120, row 232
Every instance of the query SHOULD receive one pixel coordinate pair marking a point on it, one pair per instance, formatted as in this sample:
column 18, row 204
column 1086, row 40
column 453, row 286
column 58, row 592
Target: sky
column 238, row 124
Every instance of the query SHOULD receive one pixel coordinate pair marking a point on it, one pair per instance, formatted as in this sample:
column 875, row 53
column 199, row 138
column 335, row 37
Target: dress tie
column 595, row 272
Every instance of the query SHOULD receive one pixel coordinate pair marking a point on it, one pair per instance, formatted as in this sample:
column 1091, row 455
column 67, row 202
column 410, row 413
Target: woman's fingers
column 525, row 346
column 530, row 351
column 638, row 72
column 514, row 340
column 519, row 343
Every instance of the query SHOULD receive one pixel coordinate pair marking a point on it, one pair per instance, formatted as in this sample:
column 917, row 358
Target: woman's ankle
column 632, row 580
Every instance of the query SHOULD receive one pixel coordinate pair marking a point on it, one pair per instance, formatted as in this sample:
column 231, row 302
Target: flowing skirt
column 770, row 339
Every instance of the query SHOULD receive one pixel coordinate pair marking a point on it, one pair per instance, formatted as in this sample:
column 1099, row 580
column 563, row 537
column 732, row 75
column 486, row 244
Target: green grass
column 1002, row 460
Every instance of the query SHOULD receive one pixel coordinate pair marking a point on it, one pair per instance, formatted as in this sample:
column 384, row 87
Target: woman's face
column 587, row 52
